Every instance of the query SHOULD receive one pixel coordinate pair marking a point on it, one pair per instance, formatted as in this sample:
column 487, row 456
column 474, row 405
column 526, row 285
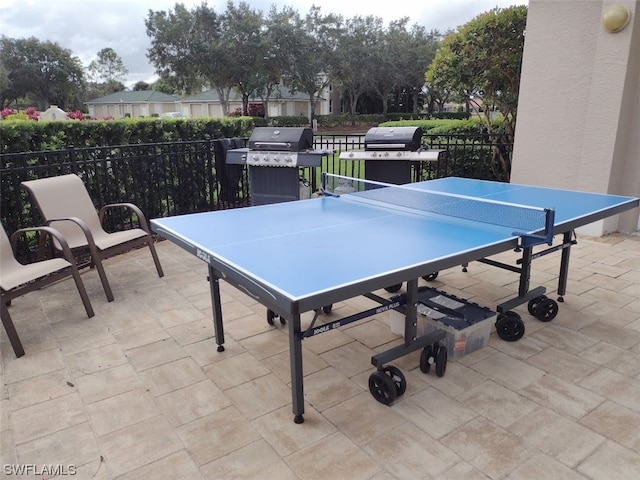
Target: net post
column 529, row 240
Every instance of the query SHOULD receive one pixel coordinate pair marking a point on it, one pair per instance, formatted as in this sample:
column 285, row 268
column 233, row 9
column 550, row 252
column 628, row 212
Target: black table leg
column 295, row 360
column 216, row 304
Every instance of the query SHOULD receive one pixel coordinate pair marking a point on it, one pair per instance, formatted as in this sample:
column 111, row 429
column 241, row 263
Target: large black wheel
column 441, row 361
column 431, row 277
column 426, row 359
column 510, row 326
column 533, row 304
column 382, row 388
column 398, row 378
column 393, row 288
column 546, row 310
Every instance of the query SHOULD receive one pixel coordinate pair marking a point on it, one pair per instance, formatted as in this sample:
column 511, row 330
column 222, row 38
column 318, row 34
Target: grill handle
column 273, row 144
column 386, row 146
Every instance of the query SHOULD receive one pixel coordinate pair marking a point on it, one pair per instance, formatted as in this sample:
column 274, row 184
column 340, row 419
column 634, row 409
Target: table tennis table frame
column 291, row 310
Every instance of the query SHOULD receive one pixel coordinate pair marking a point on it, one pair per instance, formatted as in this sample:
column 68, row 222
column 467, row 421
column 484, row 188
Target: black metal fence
column 186, row 177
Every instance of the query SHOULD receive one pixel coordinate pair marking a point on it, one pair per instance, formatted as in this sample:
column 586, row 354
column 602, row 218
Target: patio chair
column 17, row 279
column 65, row 205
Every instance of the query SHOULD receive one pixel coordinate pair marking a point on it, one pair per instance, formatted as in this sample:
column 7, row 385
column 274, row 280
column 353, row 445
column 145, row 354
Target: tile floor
column 139, row 390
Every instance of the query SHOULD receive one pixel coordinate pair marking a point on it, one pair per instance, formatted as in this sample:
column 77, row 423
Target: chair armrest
column 78, row 221
column 141, row 218
column 64, row 246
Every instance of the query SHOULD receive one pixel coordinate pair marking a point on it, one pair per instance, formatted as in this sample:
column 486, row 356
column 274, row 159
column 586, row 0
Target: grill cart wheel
column 398, row 378
column 510, row 326
column 382, row 388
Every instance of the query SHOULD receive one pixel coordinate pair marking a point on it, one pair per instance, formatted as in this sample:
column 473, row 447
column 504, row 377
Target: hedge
column 30, row 136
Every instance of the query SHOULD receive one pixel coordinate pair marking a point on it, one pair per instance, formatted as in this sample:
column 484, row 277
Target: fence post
column 72, row 159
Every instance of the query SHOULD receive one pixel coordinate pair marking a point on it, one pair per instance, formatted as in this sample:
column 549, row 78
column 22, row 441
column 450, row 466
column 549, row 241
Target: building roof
column 140, row 96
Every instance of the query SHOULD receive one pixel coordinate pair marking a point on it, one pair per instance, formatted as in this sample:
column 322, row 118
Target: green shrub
column 16, row 137
column 289, row 121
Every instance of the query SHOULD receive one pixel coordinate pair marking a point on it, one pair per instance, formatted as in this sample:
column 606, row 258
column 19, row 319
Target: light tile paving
column 140, row 390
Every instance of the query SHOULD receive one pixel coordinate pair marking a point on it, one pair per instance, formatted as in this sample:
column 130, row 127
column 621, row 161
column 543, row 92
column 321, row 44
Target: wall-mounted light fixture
column 616, row 17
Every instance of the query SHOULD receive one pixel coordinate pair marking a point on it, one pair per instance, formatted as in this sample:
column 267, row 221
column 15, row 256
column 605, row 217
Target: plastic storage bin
column 467, row 326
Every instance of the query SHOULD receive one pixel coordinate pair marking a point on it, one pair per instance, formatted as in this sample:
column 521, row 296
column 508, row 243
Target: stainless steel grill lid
column 285, row 139
column 393, row 138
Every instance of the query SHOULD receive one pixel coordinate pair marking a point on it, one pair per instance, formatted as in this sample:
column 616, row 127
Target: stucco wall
column 578, row 121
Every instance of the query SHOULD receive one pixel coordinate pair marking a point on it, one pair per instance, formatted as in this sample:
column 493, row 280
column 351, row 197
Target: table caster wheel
column 431, row 277
column 398, row 378
column 426, row 359
column 298, row 419
column 393, row 288
column 441, row 361
column 327, row 308
column 546, row 310
column 382, row 388
column 271, row 315
column 510, row 326
column 533, row 304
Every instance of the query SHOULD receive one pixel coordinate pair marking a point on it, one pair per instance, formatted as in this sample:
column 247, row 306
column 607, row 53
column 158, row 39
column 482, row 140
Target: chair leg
column 97, row 261
column 104, row 280
column 10, row 328
column 82, row 291
column 154, row 254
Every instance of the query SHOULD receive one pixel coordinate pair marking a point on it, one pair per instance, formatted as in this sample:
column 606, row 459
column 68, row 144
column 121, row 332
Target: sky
column 85, row 27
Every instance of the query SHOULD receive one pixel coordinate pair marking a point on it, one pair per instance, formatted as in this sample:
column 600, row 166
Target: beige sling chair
column 17, row 279
column 64, row 204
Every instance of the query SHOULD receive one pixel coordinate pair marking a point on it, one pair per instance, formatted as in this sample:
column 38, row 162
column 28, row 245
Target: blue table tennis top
column 302, row 249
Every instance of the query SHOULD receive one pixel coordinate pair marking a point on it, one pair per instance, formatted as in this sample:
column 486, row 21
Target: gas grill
column 274, row 157
column 389, row 152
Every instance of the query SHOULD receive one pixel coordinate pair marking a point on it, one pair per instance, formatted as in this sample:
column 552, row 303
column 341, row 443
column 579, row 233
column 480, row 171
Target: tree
column 108, row 67
column 242, row 34
column 401, row 59
column 416, row 49
column 311, row 59
column 141, row 86
column 181, row 45
column 483, row 60
column 43, row 70
column 355, row 65
column 280, row 43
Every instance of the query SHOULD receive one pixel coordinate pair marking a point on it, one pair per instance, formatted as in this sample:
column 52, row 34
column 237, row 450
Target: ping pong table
column 382, row 235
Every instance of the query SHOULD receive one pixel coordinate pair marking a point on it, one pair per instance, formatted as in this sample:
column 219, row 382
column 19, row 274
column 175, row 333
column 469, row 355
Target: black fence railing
column 186, row 177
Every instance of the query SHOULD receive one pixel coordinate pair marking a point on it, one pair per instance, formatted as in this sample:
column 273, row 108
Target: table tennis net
column 521, row 218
